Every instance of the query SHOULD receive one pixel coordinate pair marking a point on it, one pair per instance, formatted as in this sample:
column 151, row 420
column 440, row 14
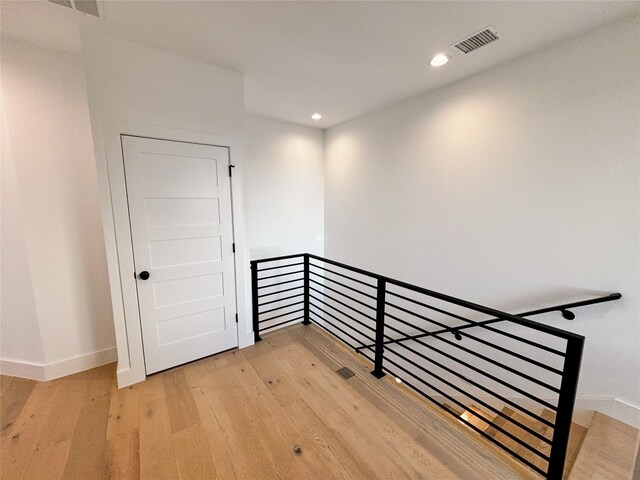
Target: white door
column 181, row 225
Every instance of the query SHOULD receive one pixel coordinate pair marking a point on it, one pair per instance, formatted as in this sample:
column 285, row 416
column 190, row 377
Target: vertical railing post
column 566, row 401
column 379, row 351
column 306, row 320
column 254, row 300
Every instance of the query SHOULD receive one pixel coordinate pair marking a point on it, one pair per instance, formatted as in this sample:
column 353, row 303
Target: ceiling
column 342, row 59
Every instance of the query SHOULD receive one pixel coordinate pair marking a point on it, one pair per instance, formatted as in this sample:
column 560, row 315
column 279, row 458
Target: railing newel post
column 306, row 320
column 378, row 371
column 566, row 402
column 254, row 301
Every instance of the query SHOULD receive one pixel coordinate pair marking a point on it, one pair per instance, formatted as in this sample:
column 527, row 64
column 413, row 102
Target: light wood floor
column 276, row 410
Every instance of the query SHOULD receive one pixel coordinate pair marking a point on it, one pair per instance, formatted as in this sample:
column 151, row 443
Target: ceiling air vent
column 477, row 40
column 84, row 6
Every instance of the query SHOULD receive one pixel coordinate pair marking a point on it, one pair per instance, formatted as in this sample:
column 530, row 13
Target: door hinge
column 236, row 318
column 230, row 170
column 233, row 247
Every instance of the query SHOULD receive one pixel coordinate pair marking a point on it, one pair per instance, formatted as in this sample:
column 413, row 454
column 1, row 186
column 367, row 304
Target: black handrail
column 320, row 305
column 456, row 301
column 564, row 308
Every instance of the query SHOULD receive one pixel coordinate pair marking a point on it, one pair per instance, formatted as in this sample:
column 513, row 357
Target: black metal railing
column 459, row 355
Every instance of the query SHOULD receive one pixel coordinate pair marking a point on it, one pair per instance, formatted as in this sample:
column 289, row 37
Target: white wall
column 56, row 312
column 284, row 187
column 135, row 89
column 516, row 188
column 19, row 330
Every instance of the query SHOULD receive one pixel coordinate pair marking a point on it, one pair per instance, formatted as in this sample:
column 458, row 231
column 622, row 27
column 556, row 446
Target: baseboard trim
column 60, row 368
column 626, row 412
column 130, row 376
column 22, row 369
column 245, row 339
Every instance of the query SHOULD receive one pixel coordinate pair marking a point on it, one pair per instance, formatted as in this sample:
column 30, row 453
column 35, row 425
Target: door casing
column 118, row 241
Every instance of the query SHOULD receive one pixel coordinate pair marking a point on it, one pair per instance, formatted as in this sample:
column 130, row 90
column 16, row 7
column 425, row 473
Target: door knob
column 144, row 275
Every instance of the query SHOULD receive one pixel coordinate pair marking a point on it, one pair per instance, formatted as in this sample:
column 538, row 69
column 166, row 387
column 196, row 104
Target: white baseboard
column 611, row 406
column 130, row 376
column 22, row 369
column 626, row 412
column 60, row 368
column 245, row 339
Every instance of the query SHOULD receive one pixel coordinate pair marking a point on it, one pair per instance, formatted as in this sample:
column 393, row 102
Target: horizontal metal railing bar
column 490, row 376
column 348, row 267
column 329, row 331
column 342, row 303
column 457, row 345
column 427, row 319
column 426, row 333
column 333, row 325
column 360, row 322
column 281, row 275
column 280, row 308
column 504, row 367
column 273, row 259
column 343, row 285
column 281, row 266
column 556, row 308
column 281, row 323
column 454, row 330
column 490, row 311
column 473, row 397
column 457, row 301
column 475, row 384
column 341, row 313
column 390, row 327
column 281, row 291
column 265, row 320
column 473, row 323
column 281, row 283
column 469, row 424
column 475, row 369
column 513, row 354
column 497, row 427
column 342, row 275
column 340, row 322
column 279, row 300
column 483, row 357
column 408, row 324
column 343, row 294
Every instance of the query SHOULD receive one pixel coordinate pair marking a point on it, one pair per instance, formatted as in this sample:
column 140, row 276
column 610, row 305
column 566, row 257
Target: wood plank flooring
column 277, row 410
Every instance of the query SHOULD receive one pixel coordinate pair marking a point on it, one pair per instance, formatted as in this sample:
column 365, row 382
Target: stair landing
column 413, row 428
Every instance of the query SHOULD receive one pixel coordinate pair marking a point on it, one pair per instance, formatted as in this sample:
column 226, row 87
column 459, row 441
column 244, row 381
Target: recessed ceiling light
column 316, row 116
column 439, row 60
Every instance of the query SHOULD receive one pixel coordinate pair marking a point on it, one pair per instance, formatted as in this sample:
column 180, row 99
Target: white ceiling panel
column 342, row 59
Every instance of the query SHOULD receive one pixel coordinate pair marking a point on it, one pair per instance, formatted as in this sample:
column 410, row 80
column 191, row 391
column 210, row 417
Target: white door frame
column 118, row 241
